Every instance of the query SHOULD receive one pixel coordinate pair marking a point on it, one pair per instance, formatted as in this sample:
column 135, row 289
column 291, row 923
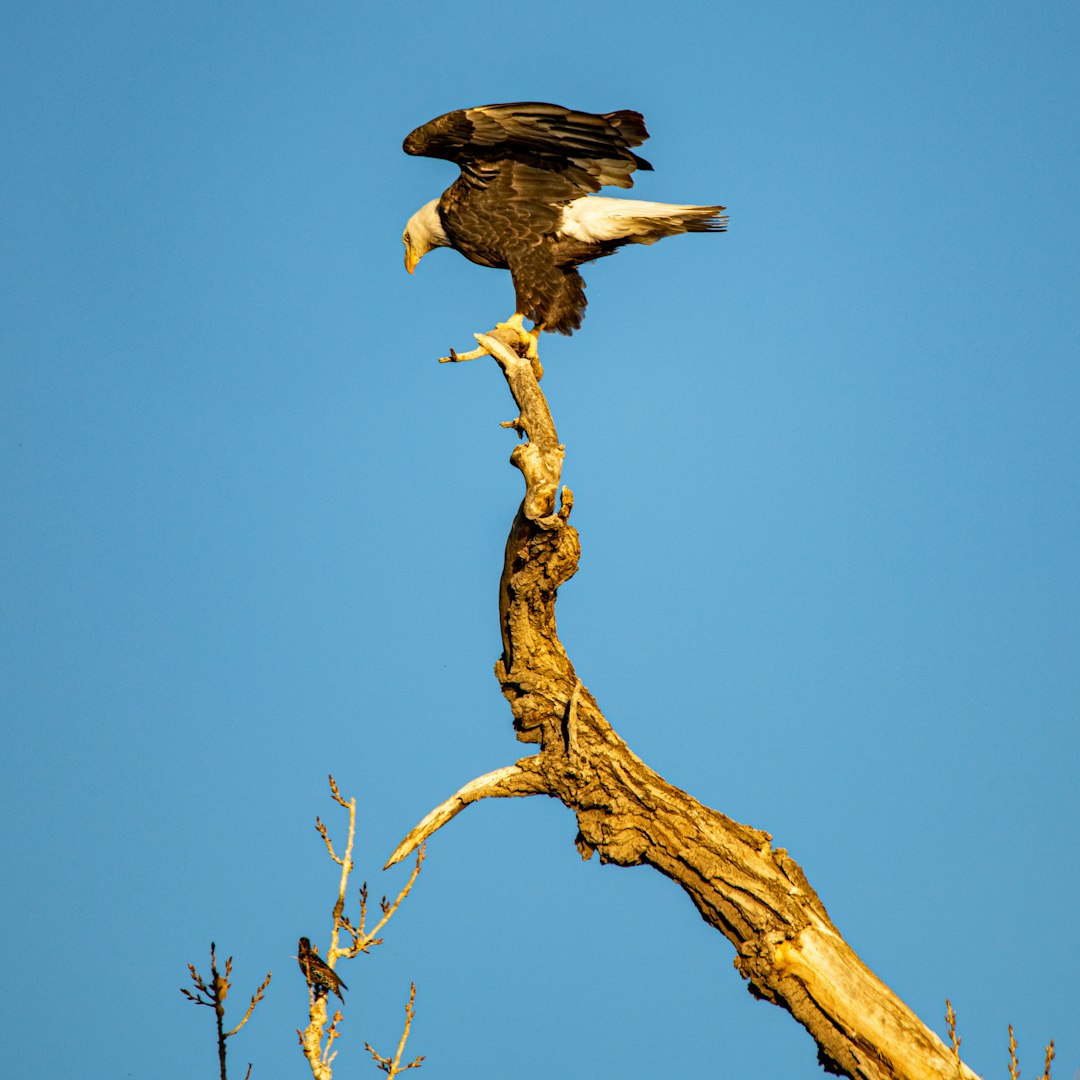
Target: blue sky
column 826, row 472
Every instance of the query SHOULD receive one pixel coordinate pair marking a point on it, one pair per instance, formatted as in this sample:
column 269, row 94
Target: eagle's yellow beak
column 412, row 257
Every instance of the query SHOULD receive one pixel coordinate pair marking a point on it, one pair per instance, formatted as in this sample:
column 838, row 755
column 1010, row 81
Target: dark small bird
column 320, row 976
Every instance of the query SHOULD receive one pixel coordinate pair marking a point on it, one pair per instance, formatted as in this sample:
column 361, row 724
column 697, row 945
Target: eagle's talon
column 527, row 338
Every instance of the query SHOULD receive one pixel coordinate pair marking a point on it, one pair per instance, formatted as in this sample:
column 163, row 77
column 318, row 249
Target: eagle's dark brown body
column 491, row 228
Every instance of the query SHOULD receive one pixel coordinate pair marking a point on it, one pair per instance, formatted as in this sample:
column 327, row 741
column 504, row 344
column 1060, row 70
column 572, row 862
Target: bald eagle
column 525, row 201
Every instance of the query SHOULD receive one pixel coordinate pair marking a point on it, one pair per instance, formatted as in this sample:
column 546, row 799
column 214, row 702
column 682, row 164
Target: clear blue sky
column 826, row 469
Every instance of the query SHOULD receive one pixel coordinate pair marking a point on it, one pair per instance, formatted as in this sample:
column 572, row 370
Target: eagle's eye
column 405, row 239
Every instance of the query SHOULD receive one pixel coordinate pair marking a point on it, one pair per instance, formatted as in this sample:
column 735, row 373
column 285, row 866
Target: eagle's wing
column 590, row 149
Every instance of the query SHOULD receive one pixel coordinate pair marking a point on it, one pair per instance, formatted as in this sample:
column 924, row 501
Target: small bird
column 320, row 976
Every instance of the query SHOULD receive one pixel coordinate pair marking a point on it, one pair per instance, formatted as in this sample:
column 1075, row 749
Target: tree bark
column 787, row 947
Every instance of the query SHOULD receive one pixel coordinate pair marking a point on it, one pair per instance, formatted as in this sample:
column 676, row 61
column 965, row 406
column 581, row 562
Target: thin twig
column 255, row 999
column 950, row 1020
column 1014, row 1064
column 365, row 942
column 213, row 996
column 392, row 1066
column 346, row 869
column 326, row 839
column 1049, row 1059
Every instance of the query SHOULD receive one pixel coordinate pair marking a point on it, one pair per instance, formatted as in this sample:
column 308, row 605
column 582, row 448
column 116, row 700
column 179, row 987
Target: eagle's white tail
column 596, row 219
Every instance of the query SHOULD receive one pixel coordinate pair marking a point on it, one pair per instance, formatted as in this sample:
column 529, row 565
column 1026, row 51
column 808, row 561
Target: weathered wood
column 756, row 895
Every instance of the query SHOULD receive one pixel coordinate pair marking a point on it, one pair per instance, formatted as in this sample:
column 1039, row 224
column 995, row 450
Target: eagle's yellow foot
column 529, row 338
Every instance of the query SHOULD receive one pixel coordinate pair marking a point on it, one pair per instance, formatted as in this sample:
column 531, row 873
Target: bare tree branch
column 392, row 1066
column 255, row 999
column 757, row 896
column 213, row 993
column 318, row 1038
column 509, row 781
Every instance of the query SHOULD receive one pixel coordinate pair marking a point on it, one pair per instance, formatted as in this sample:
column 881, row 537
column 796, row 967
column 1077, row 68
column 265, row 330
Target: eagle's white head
column 423, row 232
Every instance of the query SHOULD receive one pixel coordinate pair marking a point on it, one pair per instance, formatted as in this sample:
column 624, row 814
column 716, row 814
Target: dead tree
column 787, row 947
